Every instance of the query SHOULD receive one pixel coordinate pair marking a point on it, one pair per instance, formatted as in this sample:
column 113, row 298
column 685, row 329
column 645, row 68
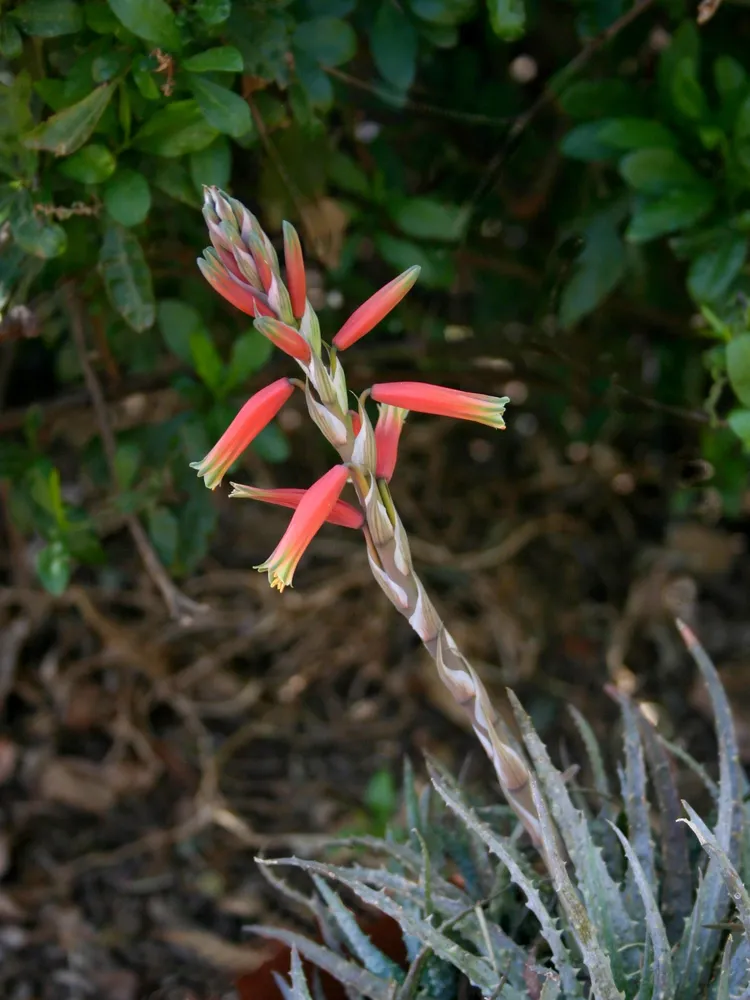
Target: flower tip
column 376, row 308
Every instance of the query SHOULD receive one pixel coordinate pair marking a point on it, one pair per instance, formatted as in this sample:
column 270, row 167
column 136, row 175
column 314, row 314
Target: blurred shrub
column 553, row 200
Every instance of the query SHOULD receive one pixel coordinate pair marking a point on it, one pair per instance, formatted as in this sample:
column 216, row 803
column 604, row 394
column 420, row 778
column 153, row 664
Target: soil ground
column 144, row 762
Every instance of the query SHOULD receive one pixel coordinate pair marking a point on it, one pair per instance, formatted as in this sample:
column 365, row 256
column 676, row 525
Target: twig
column 180, row 606
column 548, row 95
column 468, row 117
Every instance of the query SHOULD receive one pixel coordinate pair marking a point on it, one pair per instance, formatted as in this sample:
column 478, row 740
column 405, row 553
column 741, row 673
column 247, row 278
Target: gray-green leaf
column 328, row 40
column 222, row 108
column 92, row 164
column 127, row 197
column 713, row 272
column 152, row 20
column 175, row 130
column 738, row 367
column 507, row 18
column 429, row 219
column 127, row 277
column 394, row 45
column 65, row 132
column 49, row 18
column 223, row 59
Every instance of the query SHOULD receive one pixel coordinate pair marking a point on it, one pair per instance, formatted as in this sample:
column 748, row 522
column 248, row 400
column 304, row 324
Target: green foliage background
column 573, row 178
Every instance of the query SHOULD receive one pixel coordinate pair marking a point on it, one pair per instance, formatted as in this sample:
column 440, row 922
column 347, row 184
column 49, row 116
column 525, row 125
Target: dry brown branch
column 180, row 606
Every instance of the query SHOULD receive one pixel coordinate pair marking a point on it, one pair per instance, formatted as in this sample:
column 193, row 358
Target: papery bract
column 256, row 414
column 342, row 513
column 442, row 402
column 314, row 509
column 376, row 308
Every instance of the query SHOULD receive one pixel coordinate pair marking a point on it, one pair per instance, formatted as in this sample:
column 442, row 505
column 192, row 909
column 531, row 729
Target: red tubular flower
column 436, row 399
column 296, row 282
column 230, row 288
column 257, row 412
column 314, row 509
column 387, row 433
column 377, row 307
column 284, row 337
column 356, row 422
column 342, row 513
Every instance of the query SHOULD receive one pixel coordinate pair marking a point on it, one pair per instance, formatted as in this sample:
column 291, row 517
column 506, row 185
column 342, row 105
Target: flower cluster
column 243, row 267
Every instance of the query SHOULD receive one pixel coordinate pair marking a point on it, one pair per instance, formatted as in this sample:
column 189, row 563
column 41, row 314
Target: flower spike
column 439, row 401
column 314, row 509
column 376, row 308
column 295, row 270
column 284, row 337
column 387, row 433
column 342, row 513
column 257, row 412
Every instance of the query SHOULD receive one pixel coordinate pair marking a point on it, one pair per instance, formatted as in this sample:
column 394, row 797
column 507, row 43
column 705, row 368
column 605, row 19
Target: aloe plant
column 595, row 906
column 618, row 903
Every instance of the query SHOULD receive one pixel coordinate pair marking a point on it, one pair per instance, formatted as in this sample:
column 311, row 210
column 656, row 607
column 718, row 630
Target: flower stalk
column 367, row 456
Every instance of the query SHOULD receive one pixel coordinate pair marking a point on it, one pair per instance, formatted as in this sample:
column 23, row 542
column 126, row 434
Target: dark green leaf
column 38, row 236
column 687, row 93
column 588, row 99
column 272, row 444
column 92, row 164
column 175, row 130
column 163, row 530
column 127, row 277
column 507, row 18
column 172, row 178
column 213, row 12
column 394, row 45
column 738, row 367
column 438, row 270
column 53, row 566
column 128, row 461
column 597, row 271
column 206, row 360
column 11, row 43
column 212, row 165
column 315, row 82
column 636, row 133
column 224, row 59
column 731, row 80
column 584, row 143
column 68, row 130
column 742, row 134
column 49, row 18
column 444, row 12
column 222, row 108
column 152, row 20
column 713, row 271
column 178, row 321
column 127, row 197
column 249, row 353
column 673, row 211
column 658, row 171
column 348, row 175
column 327, row 40
column 100, row 18
column 739, row 421
column 143, row 76
column 426, row 218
